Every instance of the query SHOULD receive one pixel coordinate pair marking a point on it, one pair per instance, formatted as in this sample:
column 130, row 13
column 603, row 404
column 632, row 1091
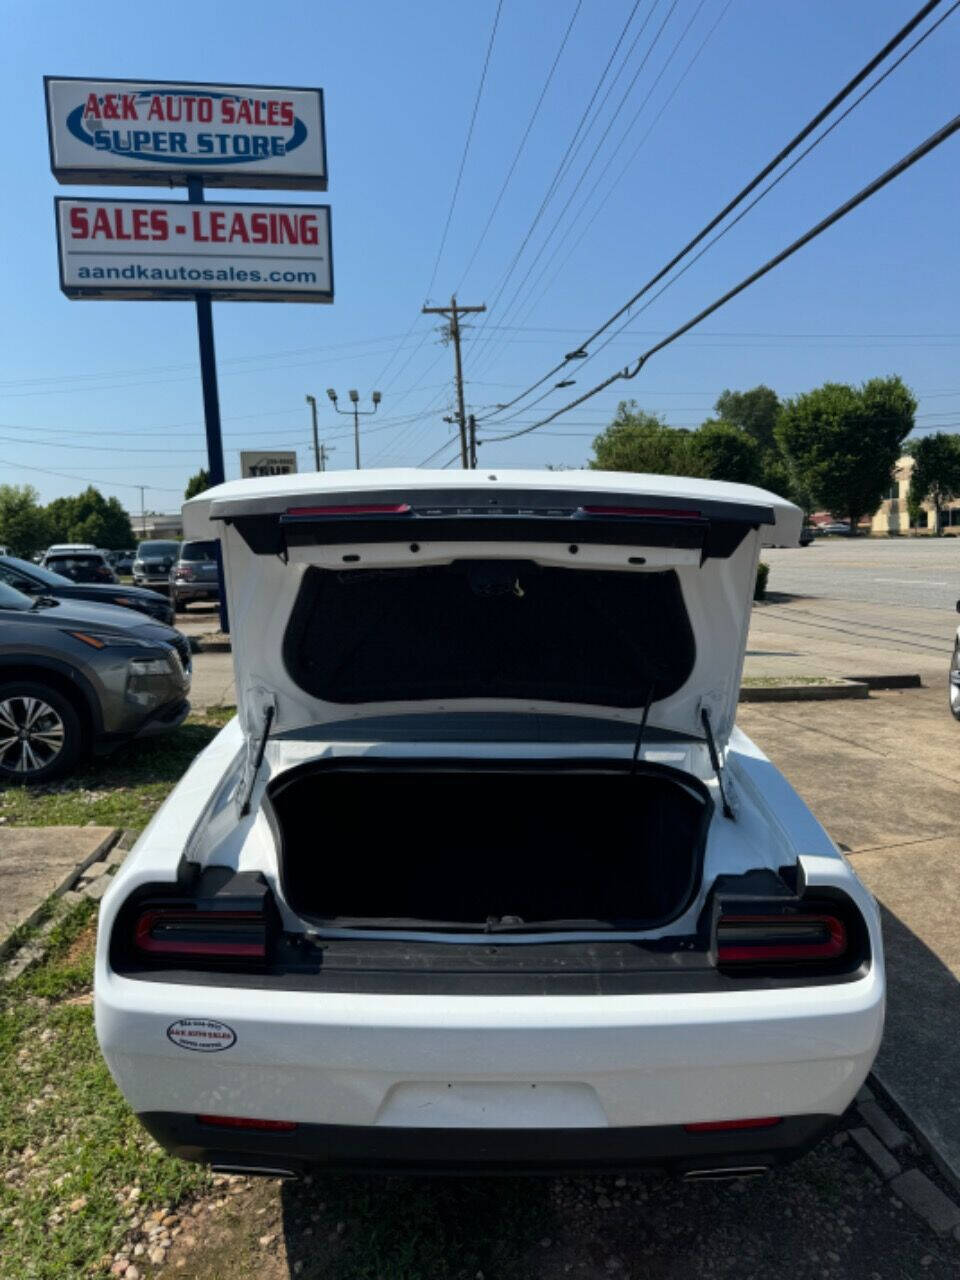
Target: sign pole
column 211, row 398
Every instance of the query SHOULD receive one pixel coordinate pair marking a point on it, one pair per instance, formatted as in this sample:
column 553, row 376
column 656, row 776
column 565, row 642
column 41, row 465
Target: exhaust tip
column 256, row 1170
column 726, row 1173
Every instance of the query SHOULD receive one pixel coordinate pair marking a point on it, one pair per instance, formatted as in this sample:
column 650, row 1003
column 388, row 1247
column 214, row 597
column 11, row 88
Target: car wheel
column 953, row 683
column 40, row 733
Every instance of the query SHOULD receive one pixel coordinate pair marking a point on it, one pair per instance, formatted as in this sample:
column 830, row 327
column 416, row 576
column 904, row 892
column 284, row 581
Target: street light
column 357, row 414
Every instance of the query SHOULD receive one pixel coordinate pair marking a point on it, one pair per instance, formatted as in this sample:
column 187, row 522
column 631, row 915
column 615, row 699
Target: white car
column 483, row 875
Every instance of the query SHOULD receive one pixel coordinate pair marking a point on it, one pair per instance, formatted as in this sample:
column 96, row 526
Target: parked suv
column 153, row 562
column 195, row 575
column 79, row 564
column 484, row 875
column 34, row 580
column 78, row 677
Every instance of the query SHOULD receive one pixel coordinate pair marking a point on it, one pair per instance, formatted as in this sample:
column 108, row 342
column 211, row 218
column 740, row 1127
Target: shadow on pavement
column 919, row 1060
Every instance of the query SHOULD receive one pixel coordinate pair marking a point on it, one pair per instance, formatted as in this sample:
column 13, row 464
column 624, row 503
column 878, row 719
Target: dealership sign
column 173, row 250
column 129, row 132
column 267, row 462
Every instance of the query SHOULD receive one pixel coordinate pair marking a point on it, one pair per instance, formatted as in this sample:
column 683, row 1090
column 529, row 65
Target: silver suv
column 153, row 562
column 195, row 575
column 77, row 678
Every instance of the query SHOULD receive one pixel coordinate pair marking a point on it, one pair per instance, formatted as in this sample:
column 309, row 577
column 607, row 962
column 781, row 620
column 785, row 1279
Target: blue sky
column 109, row 391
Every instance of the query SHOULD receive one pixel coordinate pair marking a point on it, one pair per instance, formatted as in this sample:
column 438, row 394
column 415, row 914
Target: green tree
column 842, row 442
column 720, row 451
column 639, row 441
column 753, row 411
column 197, row 484
column 23, row 525
column 90, row 517
column 936, row 475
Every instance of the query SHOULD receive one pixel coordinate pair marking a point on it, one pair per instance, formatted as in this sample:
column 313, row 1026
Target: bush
column 760, row 589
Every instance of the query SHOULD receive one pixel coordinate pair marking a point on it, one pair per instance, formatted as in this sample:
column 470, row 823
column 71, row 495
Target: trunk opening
column 500, row 846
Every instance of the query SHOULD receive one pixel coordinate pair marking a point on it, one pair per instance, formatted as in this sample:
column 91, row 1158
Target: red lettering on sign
column 93, row 106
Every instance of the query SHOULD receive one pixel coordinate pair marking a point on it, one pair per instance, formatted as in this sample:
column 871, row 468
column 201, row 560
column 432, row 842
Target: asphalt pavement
column 901, row 573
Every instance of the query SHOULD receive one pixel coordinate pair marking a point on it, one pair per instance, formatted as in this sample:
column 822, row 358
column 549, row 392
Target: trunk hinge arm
column 715, row 763
column 255, row 754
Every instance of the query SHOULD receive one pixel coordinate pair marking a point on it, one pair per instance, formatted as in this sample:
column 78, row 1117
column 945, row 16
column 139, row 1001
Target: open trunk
column 505, row 846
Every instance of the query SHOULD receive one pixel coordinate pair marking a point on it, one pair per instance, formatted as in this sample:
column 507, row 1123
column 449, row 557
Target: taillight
column 182, row 571
column 727, row 1126
column 245, row 1122
column 180, row 931
column 362, row 509
column 781, row 938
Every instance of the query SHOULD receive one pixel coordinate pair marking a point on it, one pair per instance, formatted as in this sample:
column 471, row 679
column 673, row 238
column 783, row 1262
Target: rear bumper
column 379, row 1149
column 195, row 590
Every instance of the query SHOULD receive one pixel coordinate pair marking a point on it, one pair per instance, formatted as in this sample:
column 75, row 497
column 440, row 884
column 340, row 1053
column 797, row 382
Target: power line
column 466, row 148
column 848, row 206
column 110, row 484
column 558, row 174
column 523, row 142
column 745, row 191
column 514, row 301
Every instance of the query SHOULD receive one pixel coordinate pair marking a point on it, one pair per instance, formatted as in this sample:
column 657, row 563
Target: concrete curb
column 210, row 646
column 923, row 1138
column 846, row 688
column 65, row 885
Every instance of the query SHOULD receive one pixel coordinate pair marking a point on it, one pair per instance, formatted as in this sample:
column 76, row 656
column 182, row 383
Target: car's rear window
column 198, row 551
column 60, row 564
column 158, row 548
column 489, row 629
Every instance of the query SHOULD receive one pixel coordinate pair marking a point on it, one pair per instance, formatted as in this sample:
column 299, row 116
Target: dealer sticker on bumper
column 201, row 1034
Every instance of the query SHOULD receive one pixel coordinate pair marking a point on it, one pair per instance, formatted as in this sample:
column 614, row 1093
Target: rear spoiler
column 714, row 528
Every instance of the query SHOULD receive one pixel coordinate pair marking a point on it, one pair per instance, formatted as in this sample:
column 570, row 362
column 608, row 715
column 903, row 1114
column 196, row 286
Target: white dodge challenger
column 483, row 875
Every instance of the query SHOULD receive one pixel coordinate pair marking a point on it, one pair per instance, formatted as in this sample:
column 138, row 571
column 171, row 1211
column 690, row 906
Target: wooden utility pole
column 453, row 313
column 473, row 442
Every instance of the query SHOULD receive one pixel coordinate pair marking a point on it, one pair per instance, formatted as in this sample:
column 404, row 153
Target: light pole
column 358, row 413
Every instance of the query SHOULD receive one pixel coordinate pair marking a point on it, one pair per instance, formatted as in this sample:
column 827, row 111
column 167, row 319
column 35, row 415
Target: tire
column 55, row 739
column 953, row 682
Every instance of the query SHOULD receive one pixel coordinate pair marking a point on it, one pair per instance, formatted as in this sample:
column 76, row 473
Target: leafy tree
column 197, row 484
column 90, row 517
column 935, row 476
column 720, row 451
column 753, row 411
column 842, row 442
column 23, row 525
column 639, row 441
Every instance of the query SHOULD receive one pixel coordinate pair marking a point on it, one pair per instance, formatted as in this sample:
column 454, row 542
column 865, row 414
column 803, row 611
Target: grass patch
column 785, row 682
column 70, row 1148
column 120, row 790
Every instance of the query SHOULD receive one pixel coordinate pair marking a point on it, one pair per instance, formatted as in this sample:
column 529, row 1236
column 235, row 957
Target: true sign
column 139, row 249
column 161, row 133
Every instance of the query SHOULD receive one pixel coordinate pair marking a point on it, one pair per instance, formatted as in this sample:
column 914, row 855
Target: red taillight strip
column 143, row 934
column 664, row 513
column 369, row 509
column 722, row 1126
column 244, row 1122
column 765, row 948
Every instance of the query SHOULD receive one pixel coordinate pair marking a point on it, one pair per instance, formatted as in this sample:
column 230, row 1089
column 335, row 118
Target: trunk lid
column 353, row 595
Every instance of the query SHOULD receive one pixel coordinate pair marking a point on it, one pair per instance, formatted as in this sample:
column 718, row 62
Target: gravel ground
column 828, row 1216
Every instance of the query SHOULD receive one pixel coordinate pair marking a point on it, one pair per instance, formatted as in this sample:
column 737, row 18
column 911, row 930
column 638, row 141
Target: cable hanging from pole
column 895, row 170
column 751, row 186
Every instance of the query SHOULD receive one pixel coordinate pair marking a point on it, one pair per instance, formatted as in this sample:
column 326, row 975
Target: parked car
column 839, row 529
column 195, row 574
column 483, row 875
column 78, row 678
column 34, row 580
column 153, row 562
column 953, row 680
column 121, row 561
column 79, row 564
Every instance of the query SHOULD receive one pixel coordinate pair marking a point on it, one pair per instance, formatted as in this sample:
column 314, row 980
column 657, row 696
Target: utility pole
column 473, row 442
column 143, row 513
column 454, row 312
column 312, row 402
column 325, row 451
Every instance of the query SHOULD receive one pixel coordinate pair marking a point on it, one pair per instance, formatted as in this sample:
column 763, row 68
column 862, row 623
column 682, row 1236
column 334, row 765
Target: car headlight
column 104, row 639
column 148, row 679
